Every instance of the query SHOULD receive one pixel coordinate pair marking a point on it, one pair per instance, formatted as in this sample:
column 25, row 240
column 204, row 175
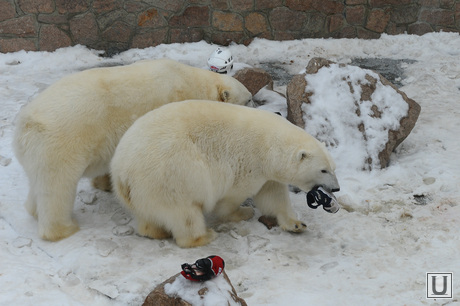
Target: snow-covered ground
column 395, row 224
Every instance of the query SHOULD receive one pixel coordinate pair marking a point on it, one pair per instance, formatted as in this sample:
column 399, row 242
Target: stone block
column 150, row 39
column 329, row 7
column 284, row 19
column 419, row 28
column 225, row 38
column 281, row 35
column 315, row 23
column 134, row 6
column 383, row 3
column 194, row 16
column 355, row 2
column 52, row 18
column 300, row 5
column 219, row 4
column 366, row 34
column 446, row 4
column 186, row 35
column 438, row 17
column 355, row 14
column 335, row 22
column 74, row 6
column 242, row 5
column 227, row 21
column 151, row 18
column 117, row 32
column 267, row 4
column 24, row 26
column 256, row 23
column 17, row 44
column 84, row 29
column 7, row 10
column 377, row 20
column 102, row 6
column 52, row 38
column 36, row 6
column 405, row 14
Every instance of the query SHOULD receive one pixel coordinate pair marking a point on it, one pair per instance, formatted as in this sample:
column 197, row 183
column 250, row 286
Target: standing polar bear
column 72, row 128
column 193, row 157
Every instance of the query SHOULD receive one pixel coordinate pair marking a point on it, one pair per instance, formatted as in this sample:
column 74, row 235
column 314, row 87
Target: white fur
column 72, row 128
column 189, row 158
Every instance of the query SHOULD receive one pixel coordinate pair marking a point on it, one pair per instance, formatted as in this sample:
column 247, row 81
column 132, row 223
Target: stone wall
column 117, row 25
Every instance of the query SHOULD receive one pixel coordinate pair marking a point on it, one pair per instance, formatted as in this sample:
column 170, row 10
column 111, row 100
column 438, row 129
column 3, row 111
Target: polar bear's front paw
column 293, row 225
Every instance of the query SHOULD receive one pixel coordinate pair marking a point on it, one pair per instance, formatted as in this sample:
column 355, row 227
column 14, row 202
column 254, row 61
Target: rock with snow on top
column 177, row 291
column 344, row 105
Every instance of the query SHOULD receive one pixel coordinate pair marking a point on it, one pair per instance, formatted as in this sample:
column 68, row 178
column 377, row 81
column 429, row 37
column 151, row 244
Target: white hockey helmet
column 221, row 61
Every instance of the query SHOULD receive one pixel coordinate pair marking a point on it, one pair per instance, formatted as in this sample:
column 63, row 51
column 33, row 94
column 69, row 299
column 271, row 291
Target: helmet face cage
column 220, row 61
column 202, row 269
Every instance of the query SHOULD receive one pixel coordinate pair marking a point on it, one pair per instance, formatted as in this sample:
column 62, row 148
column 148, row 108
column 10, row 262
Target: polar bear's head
column 315, row 168
column 232, row 91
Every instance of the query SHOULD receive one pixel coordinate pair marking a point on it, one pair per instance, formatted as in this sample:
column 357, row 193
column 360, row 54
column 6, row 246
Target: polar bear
column 189, row 158
column 71, row 129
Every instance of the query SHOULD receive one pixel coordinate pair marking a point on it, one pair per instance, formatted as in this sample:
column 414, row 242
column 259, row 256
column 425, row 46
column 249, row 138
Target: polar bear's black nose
column 335, row 190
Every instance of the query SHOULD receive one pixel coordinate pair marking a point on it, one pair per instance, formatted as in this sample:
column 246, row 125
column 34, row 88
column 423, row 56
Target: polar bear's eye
column 323, row 171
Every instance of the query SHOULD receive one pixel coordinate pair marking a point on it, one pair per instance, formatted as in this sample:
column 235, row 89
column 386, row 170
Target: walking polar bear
column 193, row 157
column 71, row 129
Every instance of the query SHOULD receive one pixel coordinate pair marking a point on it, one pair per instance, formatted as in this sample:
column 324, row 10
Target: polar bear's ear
column 302, row 155
column 224, row 95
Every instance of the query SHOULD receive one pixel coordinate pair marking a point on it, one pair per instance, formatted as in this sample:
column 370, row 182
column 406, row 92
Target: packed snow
column 395, row 224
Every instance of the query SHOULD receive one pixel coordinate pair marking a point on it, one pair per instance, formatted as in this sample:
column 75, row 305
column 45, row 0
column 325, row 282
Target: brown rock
column 52, row 38
column 296, row 96
column 269, row 222
column 158, row 297
column 253, row 78
column 406, row 124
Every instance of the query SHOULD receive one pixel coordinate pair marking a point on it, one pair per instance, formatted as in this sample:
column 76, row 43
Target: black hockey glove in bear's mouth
column 320, row 196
